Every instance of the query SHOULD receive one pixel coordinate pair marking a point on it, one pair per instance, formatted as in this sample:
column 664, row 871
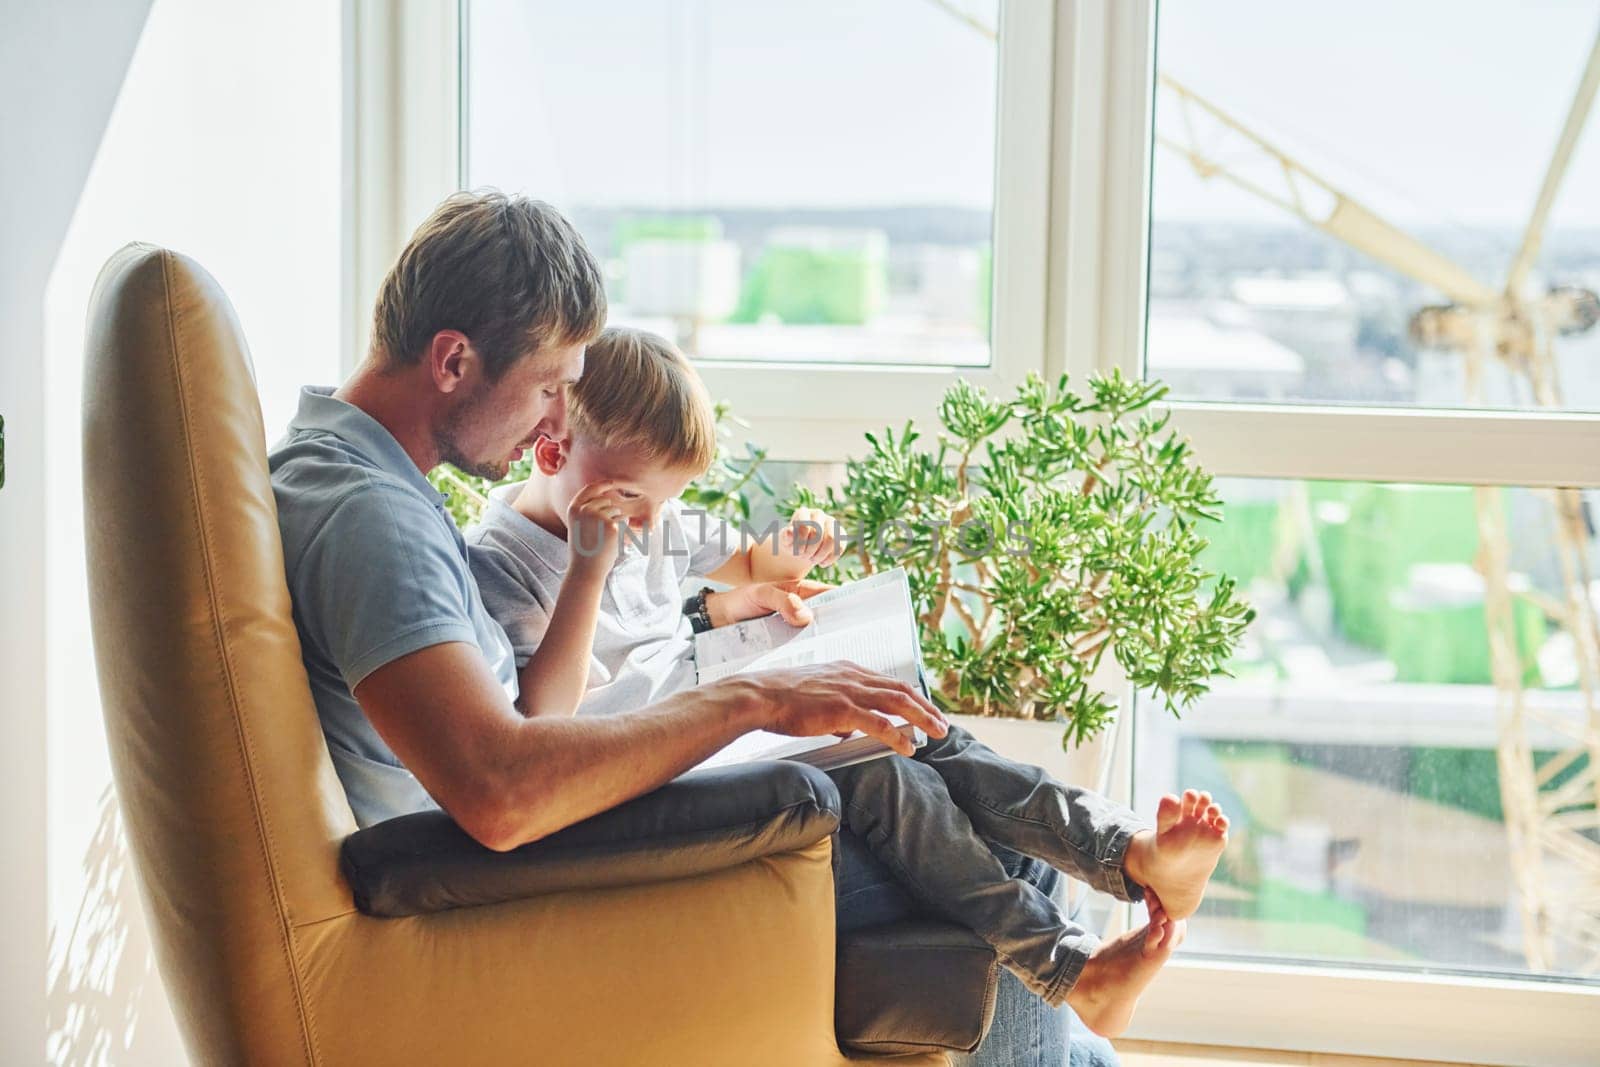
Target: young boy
column 583, row 566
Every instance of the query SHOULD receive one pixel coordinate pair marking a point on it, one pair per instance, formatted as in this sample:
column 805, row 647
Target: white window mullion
column 1099, row 233
column 1127, row 185
column 1078, row 173
column 1099, row 222
column 402, row 146
column 1022, row 190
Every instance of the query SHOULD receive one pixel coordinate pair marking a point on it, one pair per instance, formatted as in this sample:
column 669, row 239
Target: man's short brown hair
column 510, row 273
column 638, row 391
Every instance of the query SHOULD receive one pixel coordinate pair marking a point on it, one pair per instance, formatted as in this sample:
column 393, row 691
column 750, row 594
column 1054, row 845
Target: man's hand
column 839, row 698
column 764, row 598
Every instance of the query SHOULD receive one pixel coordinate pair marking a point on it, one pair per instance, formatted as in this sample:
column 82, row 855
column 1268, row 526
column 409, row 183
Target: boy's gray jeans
column 933, row 822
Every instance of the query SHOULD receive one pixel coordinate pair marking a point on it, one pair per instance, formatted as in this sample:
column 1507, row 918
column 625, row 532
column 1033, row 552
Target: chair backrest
column 233, row 811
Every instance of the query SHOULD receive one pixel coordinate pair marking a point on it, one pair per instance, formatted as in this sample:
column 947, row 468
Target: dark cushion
column 703, row 821
column 903, row 987
column 912, row 986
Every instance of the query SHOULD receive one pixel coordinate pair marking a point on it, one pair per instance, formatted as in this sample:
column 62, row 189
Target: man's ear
column 549, row 455
column 450, row 357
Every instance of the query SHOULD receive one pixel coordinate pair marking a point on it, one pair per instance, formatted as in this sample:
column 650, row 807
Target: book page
column 759, row 744
column 868, row 622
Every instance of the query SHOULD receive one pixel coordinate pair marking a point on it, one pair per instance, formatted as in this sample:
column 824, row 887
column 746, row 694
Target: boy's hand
column 805, row 543
column 594, row 526
column 763, row 598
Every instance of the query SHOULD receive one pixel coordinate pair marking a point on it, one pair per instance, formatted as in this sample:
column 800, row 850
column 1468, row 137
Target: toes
column 1190, row 799
column 1220, row 824
column 1201, row 804
column 1168, row 812
column 1213, row 813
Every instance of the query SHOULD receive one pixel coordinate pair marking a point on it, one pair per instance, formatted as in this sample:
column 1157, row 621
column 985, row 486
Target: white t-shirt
column 643, row 644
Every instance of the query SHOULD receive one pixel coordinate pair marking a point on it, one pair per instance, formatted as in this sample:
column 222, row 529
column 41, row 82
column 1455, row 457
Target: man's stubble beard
column 445, row 440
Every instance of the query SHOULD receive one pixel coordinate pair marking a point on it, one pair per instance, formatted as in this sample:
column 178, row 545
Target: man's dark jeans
column 1026, row 1031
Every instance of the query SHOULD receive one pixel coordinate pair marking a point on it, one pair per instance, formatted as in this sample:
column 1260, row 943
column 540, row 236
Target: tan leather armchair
column 235, row 816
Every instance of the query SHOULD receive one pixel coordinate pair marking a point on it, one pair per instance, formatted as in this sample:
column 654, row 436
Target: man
column 479, row 327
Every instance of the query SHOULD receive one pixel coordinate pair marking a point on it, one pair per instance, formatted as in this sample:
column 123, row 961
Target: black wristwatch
column 695, row 608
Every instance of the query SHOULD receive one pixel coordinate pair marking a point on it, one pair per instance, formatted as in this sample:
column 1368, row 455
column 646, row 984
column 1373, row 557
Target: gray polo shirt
column 376, row 570
column 643, row 647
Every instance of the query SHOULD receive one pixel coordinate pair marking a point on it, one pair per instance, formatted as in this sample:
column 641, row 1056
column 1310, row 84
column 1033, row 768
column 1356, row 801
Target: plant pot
column 1040, row 743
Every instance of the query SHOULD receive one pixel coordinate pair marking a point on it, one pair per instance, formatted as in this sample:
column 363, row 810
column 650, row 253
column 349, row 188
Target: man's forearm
column 509, row 779
column 558, row 771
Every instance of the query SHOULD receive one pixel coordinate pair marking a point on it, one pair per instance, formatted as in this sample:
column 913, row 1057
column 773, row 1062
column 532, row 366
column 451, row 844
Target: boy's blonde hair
column 638, row 391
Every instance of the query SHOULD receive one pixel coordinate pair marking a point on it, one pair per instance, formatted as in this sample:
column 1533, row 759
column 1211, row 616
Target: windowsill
column 1348, row 1011
column 1164, row 1054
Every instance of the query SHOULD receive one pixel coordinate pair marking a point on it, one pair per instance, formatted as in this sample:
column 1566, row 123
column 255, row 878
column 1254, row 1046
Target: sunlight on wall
column 225, row 145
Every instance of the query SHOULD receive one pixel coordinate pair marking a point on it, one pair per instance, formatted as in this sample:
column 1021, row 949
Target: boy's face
column 642, row 485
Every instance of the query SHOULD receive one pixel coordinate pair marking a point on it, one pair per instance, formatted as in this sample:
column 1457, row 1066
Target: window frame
column 402, row 153
column 401, row 177
column 1349, row 1009
column 1073, row 148
column 843, row 401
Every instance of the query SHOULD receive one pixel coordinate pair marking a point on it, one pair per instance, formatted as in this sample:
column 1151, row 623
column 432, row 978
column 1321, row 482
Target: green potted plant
column 1046, row 537
column 1039, row 533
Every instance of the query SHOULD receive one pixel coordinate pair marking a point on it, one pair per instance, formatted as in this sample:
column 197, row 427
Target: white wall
column 60, row 66
column 224, row 143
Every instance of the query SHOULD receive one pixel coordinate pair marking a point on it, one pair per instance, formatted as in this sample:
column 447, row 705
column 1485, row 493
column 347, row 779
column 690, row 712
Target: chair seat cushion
column 703, row 821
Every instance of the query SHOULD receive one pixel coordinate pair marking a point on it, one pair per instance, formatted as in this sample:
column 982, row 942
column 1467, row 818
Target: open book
column 869, row 622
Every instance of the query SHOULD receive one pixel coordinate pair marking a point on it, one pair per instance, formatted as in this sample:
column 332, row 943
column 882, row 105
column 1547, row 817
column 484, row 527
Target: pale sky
column 756, row 103
column 1428, row 111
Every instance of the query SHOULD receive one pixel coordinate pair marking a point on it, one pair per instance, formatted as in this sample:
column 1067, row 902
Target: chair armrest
column 703, row 821
column 913, row 986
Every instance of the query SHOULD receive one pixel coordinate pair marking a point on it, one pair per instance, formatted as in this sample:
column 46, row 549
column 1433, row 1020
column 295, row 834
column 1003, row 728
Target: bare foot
column 1176, row 860
column 1117, row 973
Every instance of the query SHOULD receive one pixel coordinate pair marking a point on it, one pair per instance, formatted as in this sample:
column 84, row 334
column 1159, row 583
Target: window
column 787, row 189
column 1391, row 706
column 1361, row 719
column 1339, row 197
column 1343, row 194
column 793, row 182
